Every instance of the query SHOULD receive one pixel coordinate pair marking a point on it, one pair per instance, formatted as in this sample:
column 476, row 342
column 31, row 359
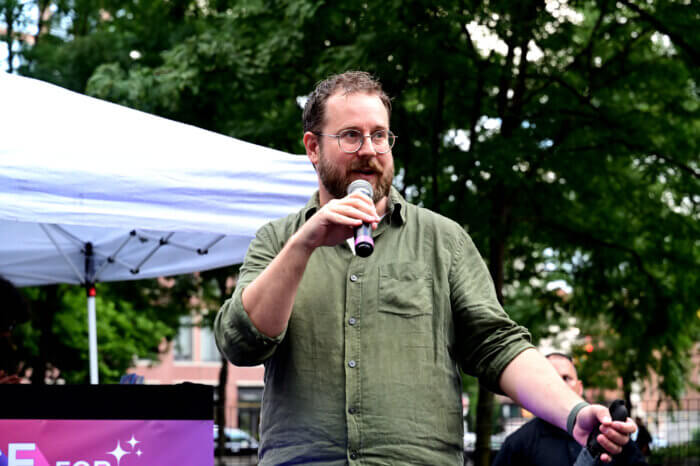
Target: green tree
column 133, row 318
column 74, row 37
column 12, row 20
column 568, row 127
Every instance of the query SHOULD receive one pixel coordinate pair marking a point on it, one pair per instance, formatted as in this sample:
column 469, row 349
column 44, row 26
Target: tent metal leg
column 92, row 312
column 92, row 335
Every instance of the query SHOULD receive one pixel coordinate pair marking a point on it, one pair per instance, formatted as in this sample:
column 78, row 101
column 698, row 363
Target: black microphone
column 364, row 244
column 618, row 412
column 590, row 453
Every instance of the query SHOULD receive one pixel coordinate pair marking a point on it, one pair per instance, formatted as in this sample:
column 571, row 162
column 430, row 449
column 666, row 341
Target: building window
column 208, row 351
column 182, row 346
column 249, row 400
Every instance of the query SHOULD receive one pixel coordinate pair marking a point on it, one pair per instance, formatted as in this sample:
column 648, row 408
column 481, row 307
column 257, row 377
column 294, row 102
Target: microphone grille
column 363, row 186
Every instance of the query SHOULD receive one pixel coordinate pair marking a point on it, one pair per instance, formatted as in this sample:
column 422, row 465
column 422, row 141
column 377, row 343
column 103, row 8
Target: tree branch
column 436, row 131
column 615, row 60
column 589, row 238
column 677, row 38
column 472, row 49
column 655, row 152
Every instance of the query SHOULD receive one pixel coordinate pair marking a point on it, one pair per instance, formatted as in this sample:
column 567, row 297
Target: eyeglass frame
column 362, row 143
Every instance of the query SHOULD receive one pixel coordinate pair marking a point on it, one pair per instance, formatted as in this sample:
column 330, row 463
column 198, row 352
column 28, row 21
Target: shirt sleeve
column 236, row 336
column 487, row 340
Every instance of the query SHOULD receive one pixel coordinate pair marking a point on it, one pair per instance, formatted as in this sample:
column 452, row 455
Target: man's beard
column 336, row 182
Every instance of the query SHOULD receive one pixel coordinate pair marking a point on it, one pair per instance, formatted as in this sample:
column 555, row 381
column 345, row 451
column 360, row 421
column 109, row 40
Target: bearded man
column 362, row 354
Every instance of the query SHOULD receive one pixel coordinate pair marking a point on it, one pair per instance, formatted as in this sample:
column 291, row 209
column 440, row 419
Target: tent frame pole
column 91, row 293
column 92, row 333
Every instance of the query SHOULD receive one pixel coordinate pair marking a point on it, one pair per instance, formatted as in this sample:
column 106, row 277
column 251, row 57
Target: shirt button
column 353, row 455
column 352, row 363
column 352, row 321
column 352, row 410
column 353, row 278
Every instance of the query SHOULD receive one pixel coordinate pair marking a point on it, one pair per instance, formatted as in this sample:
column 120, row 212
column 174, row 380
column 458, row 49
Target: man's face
column 567, row 372
column 337, row 169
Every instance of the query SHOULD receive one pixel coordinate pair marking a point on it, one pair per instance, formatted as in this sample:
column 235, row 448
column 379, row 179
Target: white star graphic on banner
column 139, row 452
column 133, row 441
column 118, row 452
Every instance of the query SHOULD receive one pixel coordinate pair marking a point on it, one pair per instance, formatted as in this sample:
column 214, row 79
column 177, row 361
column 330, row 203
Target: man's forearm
column 534, row 384
column 531, row 381
column 269, row 298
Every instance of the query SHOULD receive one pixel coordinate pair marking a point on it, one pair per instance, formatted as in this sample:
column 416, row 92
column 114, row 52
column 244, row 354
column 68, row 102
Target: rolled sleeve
column 236, row 336
column 487, row 339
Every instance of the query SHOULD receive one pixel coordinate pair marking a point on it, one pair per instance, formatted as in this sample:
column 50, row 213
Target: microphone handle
column 590, row 453
column 364, row 244
column 618, row 412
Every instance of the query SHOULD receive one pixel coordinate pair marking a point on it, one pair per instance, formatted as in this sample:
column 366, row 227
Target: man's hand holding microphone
column 340, row 219
column 269, row 299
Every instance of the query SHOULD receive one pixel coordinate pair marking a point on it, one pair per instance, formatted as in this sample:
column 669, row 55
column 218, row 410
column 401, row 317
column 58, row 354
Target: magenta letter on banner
column 106, row 442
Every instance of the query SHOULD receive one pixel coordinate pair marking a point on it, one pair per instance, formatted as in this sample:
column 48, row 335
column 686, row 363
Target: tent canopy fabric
column 93, row 191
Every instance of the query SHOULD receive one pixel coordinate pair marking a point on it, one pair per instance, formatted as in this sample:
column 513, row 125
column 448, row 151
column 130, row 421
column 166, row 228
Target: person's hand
column 335, row 221
column 5, row 378
column 613, row 434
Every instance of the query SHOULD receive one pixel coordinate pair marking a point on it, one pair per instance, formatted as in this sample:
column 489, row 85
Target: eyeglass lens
column 352, row 140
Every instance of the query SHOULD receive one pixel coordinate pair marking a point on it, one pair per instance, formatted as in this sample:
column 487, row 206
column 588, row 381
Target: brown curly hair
column 350, row 82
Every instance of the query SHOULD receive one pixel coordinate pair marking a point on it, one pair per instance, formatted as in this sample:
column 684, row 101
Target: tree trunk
column 500, row 219
column 436, row 143
column 627, row 393
column 42, row 18
column 484, row 427
column 501, row 209
column 9, row 32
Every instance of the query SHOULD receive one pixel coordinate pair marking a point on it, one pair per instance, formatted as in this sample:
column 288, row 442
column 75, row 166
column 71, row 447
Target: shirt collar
column 396, row 207
column 312, row 206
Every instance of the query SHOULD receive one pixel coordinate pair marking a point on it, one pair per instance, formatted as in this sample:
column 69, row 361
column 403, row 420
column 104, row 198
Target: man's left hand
column 613, row 434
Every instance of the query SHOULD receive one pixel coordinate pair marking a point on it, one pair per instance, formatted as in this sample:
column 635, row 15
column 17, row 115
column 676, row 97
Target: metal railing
column 674, row 430
column 675, row 433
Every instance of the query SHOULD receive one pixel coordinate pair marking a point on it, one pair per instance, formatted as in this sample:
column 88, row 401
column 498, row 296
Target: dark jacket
column 539, row 443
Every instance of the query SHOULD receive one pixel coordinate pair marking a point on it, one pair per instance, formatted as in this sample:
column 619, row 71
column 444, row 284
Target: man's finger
column 353, row 212
column 359, row 202
column 615, row 436
column 341, row 219
column 609, row 446
column 627, row 427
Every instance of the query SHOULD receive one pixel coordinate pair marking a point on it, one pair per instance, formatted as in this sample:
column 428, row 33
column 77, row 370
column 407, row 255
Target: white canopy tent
column 92, row 191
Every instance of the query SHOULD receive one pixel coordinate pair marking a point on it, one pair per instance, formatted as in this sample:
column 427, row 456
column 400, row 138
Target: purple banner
column 30, row 442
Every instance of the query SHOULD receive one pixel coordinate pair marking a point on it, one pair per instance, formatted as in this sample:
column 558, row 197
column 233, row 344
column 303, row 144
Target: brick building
column 193, row 357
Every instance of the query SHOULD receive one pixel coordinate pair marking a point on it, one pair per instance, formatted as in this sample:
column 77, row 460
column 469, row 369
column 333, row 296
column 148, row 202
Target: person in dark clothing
column 539, row 443
column 644, row 439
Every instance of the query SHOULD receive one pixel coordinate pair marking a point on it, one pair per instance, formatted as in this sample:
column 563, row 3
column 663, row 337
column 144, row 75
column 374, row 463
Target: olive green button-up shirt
column 366, row 371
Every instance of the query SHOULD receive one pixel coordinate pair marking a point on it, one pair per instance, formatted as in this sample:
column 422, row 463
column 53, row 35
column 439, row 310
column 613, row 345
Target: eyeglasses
column 351, row 140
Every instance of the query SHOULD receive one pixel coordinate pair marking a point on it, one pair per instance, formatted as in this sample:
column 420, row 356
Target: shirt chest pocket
column 406, row 289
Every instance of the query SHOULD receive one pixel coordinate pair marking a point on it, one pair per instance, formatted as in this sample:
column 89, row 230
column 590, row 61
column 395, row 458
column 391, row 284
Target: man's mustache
column 369, row 164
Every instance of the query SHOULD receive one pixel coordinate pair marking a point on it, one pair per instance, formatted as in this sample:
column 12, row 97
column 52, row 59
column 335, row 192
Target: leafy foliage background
column 567, row 145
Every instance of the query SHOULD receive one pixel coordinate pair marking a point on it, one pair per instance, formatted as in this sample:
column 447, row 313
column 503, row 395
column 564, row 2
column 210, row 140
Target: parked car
column 237, row 440
column 469, row 441
column 496, row 441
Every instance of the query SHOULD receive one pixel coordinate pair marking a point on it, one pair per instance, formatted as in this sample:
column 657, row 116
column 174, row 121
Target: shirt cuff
column 239, row 339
